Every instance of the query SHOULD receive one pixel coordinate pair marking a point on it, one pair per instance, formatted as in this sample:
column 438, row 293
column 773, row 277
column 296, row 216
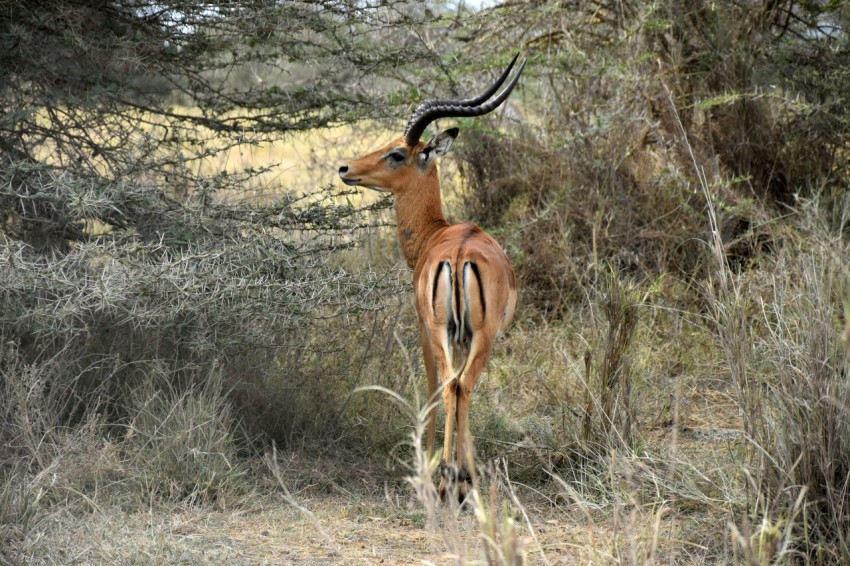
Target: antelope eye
column 396, row 157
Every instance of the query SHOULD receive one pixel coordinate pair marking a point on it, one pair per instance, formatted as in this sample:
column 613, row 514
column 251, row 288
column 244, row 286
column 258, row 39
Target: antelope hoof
column 454, row 482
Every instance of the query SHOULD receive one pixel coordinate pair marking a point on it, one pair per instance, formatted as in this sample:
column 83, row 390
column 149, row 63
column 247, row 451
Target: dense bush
column 605, row 175
column 689, row 141
column 124, row 245
column 155, row 319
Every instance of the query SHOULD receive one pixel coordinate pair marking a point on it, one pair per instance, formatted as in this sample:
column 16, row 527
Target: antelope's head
column 403, row 163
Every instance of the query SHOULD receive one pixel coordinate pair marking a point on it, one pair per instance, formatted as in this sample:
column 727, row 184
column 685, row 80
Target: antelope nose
column 343, row 170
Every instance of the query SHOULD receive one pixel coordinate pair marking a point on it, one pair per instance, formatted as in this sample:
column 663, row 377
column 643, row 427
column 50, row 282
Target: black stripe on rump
column 434, row 286
column 457, row 314
column 445, row 264
column 480, row 287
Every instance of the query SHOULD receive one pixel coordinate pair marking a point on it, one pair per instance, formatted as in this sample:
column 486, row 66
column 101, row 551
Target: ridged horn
column 435, row 108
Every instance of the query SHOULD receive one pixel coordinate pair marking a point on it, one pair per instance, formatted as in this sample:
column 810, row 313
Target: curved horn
column 435, row 108
column 469, row 101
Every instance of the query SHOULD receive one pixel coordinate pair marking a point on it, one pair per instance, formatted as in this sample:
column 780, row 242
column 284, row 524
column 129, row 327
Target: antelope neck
column 419, row 215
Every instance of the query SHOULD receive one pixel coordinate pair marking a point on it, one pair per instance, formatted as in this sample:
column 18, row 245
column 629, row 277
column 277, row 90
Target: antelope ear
column 441, row 144
column 437, row 147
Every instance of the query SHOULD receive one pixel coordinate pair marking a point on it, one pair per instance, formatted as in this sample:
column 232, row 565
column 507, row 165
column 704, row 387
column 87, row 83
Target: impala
column 464, row 284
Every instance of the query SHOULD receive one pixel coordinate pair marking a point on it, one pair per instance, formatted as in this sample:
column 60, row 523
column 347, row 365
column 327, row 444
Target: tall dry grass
column 781, row 337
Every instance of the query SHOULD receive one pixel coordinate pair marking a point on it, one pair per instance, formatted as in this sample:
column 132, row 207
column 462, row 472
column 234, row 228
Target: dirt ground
column 326, row 530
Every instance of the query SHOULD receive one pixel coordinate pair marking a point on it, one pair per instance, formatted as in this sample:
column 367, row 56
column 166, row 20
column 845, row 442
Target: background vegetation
column 185, row 321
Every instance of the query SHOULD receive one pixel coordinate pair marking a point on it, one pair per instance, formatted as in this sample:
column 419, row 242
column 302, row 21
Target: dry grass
column 679, row 485
column 638, row 415
column 545, row 495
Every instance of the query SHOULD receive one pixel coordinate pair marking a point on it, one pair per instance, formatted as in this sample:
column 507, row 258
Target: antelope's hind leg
column 439, row 323
column 450, row 405
column 431, row 371
column 476, row 362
